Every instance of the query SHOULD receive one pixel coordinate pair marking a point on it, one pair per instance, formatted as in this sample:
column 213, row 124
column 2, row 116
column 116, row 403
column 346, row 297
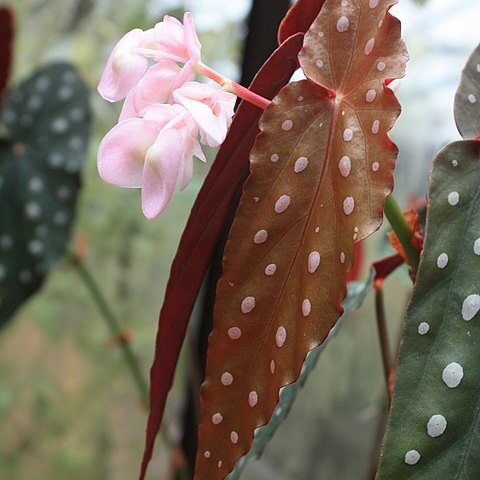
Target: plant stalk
column 400, row 226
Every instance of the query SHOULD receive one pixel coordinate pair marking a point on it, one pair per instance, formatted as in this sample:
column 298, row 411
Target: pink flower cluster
column 165, row 110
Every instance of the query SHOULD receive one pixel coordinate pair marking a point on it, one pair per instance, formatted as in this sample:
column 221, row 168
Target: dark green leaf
column 438, row 374
column 47, row 124
column 467, row 99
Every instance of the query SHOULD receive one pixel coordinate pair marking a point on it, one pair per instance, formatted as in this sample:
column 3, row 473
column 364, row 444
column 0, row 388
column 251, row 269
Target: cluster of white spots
column 373, row 3
column 60, row 125
column 25, row 276
column 280, row 336
column 207, row 454
column 274, row 158
column 342, row 257
column 453, row 198
column 454, row 163
column 260, row 237
column 343, row 24
column 375, row 166
column 270, row 269
column 272, row 367
column 306, row 307
column 248, row 304
column 423, row 328
column 375, row 127
column 313, row 261
column 32, row 210
column 252, row 398
column 226, row 379
column 35, row 247
column 234, row 333
column 470, row 307
column 348, row 205
column 476, row 247
column 345, row 166
column 234, row 437
column 319, row 63
column 452, row 374
column 287, row 125
column 370, row 96
column 347, row 134
column 412, row 457
column 472, row 98
column 300, row 164
column 282, row 203
column 217, row 418
column 442, row 260
column 369, row 46
column 381, row 66
column 436, row 426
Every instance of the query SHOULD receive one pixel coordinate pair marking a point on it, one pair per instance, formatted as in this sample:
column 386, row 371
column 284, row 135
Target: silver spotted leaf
column 45, row 126
column 434, row 429
column 467, row 99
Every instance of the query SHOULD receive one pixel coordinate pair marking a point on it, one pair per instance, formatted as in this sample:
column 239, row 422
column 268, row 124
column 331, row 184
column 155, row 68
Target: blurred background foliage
column 68, row 408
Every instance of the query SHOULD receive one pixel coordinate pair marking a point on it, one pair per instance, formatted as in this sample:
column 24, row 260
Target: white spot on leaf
column 412, row 457
column 234, row 333
column 345, row 166
column 470, row 307
column 270, row 269
column 252, row 398
column 248, row 304
column 348, row 205
column 306, row 307
column 300, row 165
column 282, row 204
column 280, row 337
column 260, row 237
column 217, row 418
column 423, row 328
column 452, row 375
column 369, row 46
column 453, row 198
column 347, row 134
column 226, row 379
column 436, row 426
column 343, row 24
column 442, row 260
column 370, row 96
column 313, row 261
column 287, row 125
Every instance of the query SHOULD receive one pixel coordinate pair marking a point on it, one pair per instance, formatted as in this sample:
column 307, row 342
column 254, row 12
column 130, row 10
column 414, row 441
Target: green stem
column 400, row 226
column 114, row 326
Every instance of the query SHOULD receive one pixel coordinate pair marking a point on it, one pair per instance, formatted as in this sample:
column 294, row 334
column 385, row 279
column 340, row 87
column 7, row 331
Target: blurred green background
column 68, row 408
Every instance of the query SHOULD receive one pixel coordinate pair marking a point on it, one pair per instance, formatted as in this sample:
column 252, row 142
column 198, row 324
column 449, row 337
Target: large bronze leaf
column 321, row 169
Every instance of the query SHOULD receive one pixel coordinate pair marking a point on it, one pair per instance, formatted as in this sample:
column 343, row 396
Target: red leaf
column 320, row 173
column 203, row 228
column 383, row 268
column 358, row 255
column 6, row 40
column 299, row 18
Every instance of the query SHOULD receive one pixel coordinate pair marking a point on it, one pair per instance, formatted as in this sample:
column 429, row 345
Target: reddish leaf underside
column 320, row 172
column 299, row 18
column 6, row 40
column 202, row 231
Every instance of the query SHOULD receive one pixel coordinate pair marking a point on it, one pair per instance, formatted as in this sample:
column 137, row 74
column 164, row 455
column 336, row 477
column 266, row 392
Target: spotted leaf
column 321, row 169
column 434, row 429
column 212, row 207
column 357, row 292
column 47, row 123
column 467, row 99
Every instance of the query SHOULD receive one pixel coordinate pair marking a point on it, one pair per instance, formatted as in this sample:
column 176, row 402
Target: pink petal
column 187, row 173
column 121, row 154
column 201, row 100
column 191, row 39
column 170, row 38
column 128, row 109
column 163, row 170
column 123, row 69
column 157, row 116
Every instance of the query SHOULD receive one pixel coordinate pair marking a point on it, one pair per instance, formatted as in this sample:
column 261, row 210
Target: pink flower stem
column 234, row 87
